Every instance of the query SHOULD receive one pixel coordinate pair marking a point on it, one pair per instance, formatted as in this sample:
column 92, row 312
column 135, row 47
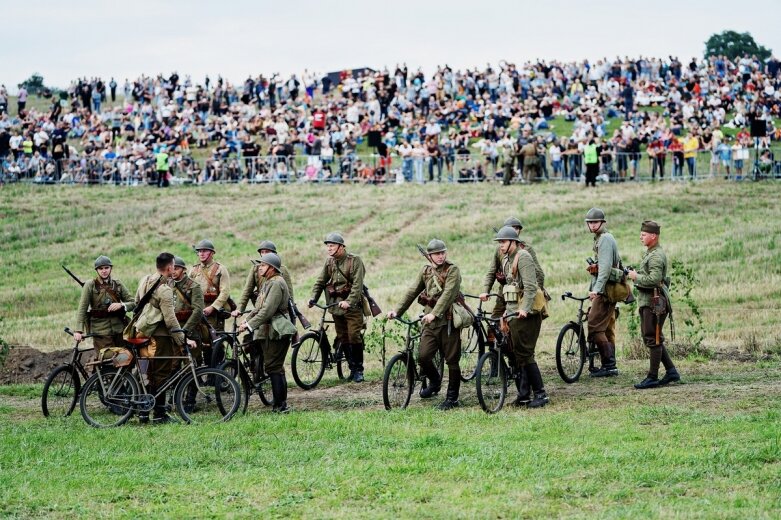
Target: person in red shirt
column 318, row 120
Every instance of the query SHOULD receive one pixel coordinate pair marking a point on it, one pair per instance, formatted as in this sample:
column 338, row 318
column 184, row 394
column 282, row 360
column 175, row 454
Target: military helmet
column 103, row 261
column 205, row 244
column 436, row 246
column 334, row 238
column 595, row 215
column 272, row 259
column 513, row 222
column 268, row 245
column 507, row 233
column 179, row 262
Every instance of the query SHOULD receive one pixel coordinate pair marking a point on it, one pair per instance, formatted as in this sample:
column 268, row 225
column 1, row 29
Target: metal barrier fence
column 460, row 168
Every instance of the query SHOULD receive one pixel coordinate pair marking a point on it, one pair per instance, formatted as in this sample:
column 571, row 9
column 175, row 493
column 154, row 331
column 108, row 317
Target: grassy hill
column 726, row 233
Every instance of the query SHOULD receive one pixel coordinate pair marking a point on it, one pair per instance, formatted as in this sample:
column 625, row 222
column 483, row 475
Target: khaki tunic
column 218, row 287
column 523, row 331
column 335, row 273
column 162, row 299
column 255, row 281
column 446, row 294
column 94, row 297
column 651, row 274
column 188, row 304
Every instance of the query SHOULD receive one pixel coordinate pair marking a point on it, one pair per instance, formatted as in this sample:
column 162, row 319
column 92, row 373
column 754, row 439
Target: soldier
column 521, row 295
column 602, row 314
column 342, row 279
column 188, row 300
column 495, row 273
column 652, row 282
column 104, row 301
column 214, row 280
column 436, row 288
column 157, row 320
column 270, row 325
column 252, row 285
column 531, row 161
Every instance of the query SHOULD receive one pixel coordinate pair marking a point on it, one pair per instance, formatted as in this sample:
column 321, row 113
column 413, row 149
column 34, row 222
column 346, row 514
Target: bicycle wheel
column 471, row 350
column 397, row 383
column 308, row 361
column 232, row 368
column 570, row 352
column 491, row 382
column 108, row 398
column 211, row 396
column 60, row 391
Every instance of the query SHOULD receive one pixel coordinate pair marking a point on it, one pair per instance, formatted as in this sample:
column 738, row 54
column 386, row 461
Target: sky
column 236, row 38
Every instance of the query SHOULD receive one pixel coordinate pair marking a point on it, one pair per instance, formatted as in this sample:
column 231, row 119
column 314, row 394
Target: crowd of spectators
column 399, row 125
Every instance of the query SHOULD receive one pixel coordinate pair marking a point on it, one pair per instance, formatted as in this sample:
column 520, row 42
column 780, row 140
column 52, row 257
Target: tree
column 33, row 84
column 733, row 44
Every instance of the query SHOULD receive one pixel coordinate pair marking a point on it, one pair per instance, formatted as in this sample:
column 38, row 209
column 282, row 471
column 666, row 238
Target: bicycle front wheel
column 211, row 396
column 570, row 352
column 397, row 383
column 108, row 398
column 60, row 391
column 491, row 382
column 308, row 361
column 471, row 350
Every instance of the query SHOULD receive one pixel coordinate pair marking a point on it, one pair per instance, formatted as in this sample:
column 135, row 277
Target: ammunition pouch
column 334, row 293
column 183, row 316
column 100, row 314
column 501, row 278
column 209, row 298
column 426, row 300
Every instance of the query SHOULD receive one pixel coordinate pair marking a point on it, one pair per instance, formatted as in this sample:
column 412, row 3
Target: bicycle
column 572, row 348
column 110, row 397
column 473, row 346
column 244, row 367
column 313, row 354
column 63, row 384
column 401, row 374
column 493, row 371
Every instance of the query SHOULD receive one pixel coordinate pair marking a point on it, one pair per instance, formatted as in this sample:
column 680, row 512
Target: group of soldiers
column 199, row 301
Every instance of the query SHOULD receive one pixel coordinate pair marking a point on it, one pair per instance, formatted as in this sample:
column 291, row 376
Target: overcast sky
column 63, row 40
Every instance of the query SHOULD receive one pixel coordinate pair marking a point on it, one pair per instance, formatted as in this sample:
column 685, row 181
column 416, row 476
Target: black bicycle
column 401, row 373
column 245, row 364
column 474, row 341
column 572, row 348
column 313, row 354
column 63, row 384
column 113, row 393
column 493, row 370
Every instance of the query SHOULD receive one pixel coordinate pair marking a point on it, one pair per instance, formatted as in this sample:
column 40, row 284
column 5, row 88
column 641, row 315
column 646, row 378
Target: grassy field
column 707, row 448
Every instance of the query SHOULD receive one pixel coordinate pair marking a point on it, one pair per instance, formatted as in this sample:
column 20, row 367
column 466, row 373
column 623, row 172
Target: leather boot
column 535, row 379
column 358, row 362
column 434, row 382
column 453, row 387
column 159, row 415
column 524, row 388
column 671, row 376
column 279, row 391
column 347, row 350
column 607, row 352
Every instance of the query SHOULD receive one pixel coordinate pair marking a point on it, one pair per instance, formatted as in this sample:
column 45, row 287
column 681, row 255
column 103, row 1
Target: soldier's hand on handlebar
column 391, row 315
column 311, row 303
column 78, row 337
column 483, row 297
column 192, row 343
column 344, row 305
column 208, row 310
column 522, row 313
column 243, row 326
column 428, row 318
column 236, row 313
column 592, row 295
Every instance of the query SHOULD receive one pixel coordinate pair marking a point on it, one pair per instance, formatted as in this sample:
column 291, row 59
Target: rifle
column 295, row 313
column 375, row 309
column 78, row 281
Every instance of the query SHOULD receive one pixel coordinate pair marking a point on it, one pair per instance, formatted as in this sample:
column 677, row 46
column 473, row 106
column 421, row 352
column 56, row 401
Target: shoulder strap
column 514, row 268
column 183, row 296
column 349, row 268
column 210, row 275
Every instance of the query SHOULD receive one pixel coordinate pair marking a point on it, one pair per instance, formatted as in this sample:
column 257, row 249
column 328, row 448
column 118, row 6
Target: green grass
column 709, row 448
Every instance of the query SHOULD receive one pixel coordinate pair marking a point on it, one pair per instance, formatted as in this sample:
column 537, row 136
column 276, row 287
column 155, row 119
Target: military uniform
column 653, row 302
column 252, row 286
column 271, row 326
column 521, row 274
column 93, row 316
column 496, row 274
column 602, row 314
column 342, row 280
column 531, row 162
column 159, row 318
column 188, row 308
column 437, row 288
column 214, row 280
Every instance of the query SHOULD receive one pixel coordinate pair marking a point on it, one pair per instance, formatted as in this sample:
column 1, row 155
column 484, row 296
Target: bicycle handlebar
column 490, row 295
column 72, row 332
column 408, row 322
column 324, row 307
column 569, row 295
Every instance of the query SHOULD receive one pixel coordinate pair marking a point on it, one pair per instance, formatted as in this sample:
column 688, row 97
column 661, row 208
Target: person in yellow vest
column 591, row 159
column 162, row 167
column 690, row 146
